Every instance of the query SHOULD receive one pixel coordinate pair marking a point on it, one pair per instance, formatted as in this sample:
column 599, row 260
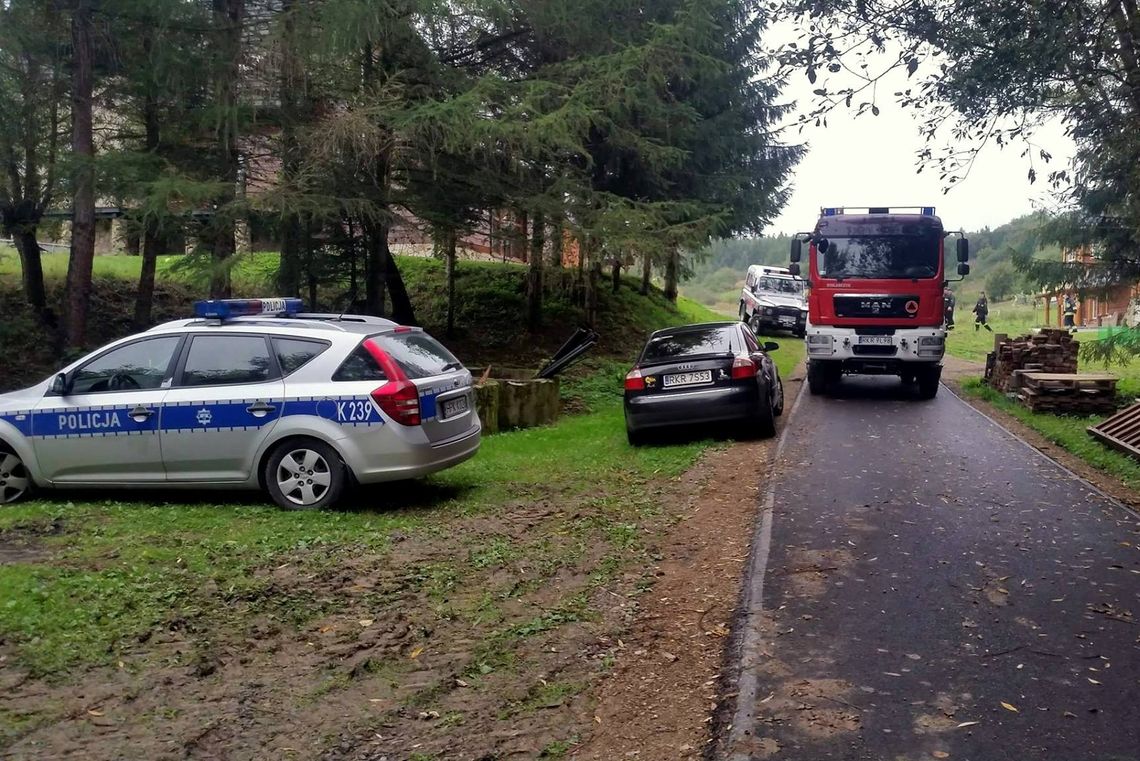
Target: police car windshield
column 891, row 257
column 780, row 285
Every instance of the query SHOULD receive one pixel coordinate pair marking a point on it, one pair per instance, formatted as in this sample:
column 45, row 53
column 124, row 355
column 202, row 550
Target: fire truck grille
column 876, row 306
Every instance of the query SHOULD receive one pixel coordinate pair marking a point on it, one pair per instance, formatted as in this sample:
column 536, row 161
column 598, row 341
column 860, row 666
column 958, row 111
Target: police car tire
column 329, row 462
column 12, row 466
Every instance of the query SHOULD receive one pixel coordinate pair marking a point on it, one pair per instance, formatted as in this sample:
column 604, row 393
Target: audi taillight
column 634, row 381
column 400, row 400
column 743, row 367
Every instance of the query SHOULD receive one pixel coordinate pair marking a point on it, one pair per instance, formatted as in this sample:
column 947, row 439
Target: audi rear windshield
column 891, row 257
column 693, row 343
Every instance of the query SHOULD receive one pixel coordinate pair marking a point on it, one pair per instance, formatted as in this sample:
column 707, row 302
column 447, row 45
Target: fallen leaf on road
column 1093, row 681
column 940, row 754
column 1008, row 707
column 93, row 712
column 365, row 622
column 966, row 724
column 416, row 653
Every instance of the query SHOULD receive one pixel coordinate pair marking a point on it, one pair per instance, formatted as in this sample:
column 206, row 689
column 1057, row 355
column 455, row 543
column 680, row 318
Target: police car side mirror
column 59, row 385
column 963, row 250
column 797, row 249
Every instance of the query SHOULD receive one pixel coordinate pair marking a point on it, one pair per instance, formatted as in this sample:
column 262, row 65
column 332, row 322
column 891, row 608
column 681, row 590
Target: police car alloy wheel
column 305, row 475
column 14, row 478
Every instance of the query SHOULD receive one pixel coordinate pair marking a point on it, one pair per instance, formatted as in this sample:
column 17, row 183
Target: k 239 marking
column 356, row 411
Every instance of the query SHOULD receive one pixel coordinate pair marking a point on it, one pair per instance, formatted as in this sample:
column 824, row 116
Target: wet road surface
column 936, row 589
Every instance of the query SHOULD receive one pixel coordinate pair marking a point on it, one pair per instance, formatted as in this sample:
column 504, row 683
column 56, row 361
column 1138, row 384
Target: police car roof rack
column 835, row 211
column 365, row 319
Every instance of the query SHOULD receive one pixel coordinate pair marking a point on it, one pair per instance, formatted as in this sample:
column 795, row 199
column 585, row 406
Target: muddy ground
column 523, row 634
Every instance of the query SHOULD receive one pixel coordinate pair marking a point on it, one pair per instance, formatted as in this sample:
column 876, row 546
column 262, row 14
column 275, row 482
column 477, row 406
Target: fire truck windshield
column 880, row 256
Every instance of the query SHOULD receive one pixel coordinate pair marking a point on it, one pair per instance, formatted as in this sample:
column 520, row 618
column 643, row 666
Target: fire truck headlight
column 819, row 344
column 931, row 346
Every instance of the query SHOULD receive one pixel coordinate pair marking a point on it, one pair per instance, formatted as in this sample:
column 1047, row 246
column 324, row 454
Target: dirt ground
column 432, row 656
column 957, row 370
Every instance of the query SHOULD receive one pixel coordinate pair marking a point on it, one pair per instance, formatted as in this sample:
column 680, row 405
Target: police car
column 250, row 393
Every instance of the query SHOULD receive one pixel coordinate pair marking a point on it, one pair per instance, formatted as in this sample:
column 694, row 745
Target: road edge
column 746, row 630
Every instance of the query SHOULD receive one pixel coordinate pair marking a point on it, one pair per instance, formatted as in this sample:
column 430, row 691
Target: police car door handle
column 260, row 407
column 140, row 411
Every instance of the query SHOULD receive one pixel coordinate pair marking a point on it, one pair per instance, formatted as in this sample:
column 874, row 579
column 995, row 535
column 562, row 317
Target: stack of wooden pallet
column 1049, row 351
column 1068, row 393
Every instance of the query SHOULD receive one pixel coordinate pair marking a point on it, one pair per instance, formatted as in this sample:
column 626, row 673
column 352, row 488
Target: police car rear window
column 418, row 354
column 723, row 340
column 359, row 366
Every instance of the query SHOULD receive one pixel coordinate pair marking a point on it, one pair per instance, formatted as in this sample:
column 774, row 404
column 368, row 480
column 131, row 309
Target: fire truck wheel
column 928, row 379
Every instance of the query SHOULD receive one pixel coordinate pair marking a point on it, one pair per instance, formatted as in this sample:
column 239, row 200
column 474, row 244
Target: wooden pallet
column 1062, row 382
column 1121, row 431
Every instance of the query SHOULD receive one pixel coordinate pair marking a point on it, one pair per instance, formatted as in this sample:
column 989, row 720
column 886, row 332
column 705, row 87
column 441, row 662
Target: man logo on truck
column 875, row 301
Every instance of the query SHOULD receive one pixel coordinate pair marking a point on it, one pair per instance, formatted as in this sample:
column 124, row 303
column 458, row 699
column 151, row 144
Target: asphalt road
column 934, row 588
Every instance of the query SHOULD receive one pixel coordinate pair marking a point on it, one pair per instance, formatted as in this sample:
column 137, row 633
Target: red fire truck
column 876, row 277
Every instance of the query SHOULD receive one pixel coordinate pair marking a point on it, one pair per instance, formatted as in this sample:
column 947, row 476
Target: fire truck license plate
column 876, row 340
column 687, row 379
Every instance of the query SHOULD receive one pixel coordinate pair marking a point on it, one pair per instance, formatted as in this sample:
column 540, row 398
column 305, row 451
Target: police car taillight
column 224, row 309
column 400, row 400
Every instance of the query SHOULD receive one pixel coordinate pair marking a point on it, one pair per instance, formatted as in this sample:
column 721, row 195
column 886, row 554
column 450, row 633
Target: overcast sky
column 870, row 160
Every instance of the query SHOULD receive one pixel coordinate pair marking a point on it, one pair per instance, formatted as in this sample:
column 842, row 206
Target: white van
column 773, row 300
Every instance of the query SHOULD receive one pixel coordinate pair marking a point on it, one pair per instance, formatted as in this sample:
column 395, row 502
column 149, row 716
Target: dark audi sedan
column 699, row 374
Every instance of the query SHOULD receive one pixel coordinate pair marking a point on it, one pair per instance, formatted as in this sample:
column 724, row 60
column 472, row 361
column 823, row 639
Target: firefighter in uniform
column 981, row 313
column 948, row 302
column 1070, row 312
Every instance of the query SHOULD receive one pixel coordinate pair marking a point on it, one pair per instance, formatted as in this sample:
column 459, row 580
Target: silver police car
column 251, row 393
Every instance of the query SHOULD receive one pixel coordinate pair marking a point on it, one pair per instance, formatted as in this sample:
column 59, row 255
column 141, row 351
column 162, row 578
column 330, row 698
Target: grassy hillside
column 489, row 319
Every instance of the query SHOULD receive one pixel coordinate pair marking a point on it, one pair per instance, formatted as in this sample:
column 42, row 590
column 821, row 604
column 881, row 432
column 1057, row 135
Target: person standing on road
column 981, row 313
column 948, row 302
column 1070, row 312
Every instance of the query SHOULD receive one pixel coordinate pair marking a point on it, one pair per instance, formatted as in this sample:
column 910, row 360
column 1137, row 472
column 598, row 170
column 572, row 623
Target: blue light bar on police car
column 224, row 309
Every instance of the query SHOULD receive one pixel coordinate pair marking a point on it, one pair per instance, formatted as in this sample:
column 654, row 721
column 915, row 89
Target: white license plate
column 687, row 379
column 787, row 319
column 453, row 407
column 876, row 340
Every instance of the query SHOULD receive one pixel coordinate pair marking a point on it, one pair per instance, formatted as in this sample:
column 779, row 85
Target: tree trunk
column 24, row 238
column 616, row 274
column 449, row 269
column 144, row 298
column 402, row 311
column 557, row 245
column 592, row 284
column 646, row 273
column 534, row 273
column 82, row 257
column 375, row 267
column 230, row 20
column 580, row 282
column 289, row 85
column 672, row 264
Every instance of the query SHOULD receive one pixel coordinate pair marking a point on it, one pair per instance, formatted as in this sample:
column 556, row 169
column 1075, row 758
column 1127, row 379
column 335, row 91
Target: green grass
column 1066, row 431
column 119, row 570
